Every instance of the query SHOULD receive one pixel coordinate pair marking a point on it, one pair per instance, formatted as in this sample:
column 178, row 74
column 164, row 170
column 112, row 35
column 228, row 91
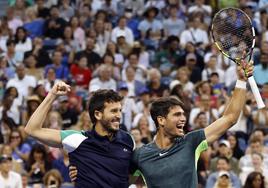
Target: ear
column 161, row 121
column 98, row 115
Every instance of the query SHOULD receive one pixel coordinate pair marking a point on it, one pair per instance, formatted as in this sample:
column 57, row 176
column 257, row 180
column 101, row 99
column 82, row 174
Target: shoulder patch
column 71, row 139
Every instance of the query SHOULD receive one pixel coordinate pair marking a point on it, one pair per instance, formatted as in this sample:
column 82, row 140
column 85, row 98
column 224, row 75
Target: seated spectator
column 8, row 178
column 32, row 70
column 223, row 180
column 38, row 164
column 156, row 88
column 23, row 43
column 108, row 59
column 20, row 150
column 66, row 11
column 49, row 80
column 104, row 79
column 13, row 58
column 223, row 165
column 224, row 150
column 141, row 121
column 236, row 150
column 16, row 166
column 13, row 21
column 78, row 32
column 81, row 73
column 52, row 178
column 41, row 54
column 62, row 72
column 255, row 180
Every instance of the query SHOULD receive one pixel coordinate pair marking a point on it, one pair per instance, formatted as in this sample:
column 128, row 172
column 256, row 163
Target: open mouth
column 180, row 126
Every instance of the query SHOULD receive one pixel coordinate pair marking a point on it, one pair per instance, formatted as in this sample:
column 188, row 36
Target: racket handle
column 256, row 92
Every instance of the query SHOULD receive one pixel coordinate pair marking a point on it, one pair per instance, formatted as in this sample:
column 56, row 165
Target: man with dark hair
column 171, row 159
column 102, row 155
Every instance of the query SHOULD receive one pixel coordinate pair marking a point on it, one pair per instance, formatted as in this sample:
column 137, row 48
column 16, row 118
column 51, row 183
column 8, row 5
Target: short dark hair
column 10, row 41
column 162, row 106
column 99, row 98
column 224, row 158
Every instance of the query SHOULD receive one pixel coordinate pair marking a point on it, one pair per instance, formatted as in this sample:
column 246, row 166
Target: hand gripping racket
column 234, row 36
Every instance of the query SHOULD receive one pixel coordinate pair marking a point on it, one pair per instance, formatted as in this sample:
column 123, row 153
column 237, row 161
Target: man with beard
column 102, row 155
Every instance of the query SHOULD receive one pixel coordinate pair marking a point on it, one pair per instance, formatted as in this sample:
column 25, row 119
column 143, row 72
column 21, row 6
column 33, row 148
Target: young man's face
column 111, row 116
column 174, row 122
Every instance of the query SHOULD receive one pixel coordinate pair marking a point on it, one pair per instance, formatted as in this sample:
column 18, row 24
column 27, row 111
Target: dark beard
column 107, row 126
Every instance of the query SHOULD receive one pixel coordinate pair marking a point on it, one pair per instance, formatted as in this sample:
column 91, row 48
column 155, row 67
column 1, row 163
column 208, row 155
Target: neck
column 103, row 132
column 163, row 141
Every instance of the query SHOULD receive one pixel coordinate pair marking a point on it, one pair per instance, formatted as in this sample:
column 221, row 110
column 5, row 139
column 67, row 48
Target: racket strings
column 232, row 31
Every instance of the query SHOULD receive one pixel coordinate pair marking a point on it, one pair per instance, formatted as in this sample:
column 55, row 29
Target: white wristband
column 241, row 84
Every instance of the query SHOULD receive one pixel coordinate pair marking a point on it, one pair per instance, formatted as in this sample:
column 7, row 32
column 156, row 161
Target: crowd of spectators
column 143, row 49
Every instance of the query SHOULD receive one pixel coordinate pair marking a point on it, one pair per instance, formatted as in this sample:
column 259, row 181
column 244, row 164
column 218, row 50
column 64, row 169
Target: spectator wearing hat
column 136, row 7
column 195, row 70
column 33, row 102
column 224, row 150
column 122, row 27
column 223, row 168
column 68, row 115
column 8, row 178
column 139, row 49
column 123, row 47
column 223, row 180
column 151, row 28
column 143, row 100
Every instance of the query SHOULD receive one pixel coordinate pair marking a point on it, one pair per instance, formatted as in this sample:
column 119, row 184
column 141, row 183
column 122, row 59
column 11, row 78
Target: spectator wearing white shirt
column 23, row 82
column 23, row 43
column 104, row 79
column 8, row 178
column 122, row 27
column 195, row 34
column 211, row 68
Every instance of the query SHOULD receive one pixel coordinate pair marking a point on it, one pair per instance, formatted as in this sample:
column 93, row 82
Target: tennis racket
column 234, row 36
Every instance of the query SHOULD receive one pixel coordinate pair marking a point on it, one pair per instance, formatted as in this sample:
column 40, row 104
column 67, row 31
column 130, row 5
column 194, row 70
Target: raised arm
column 34, row 126
column 234, row 108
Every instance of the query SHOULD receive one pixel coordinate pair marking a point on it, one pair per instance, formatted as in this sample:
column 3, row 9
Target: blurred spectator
column 52, row 178
column 62, row 165
column 68, row 115
column 258, row 166
column 112, row 49
column 195, row 34
column 13, row 21
column 183, row 76
column 212, row 68
column 54, row 25
column 151, row 28
column 261, row 70
column 122, row 27
column 66, row 11
column 78, row 32
column 81, row 73
column 33, row 102
column 49, row 80
column 93, row 58
column 255, row 180
column 156, row 88
column 16, row 166
column 223, row 165
column 237, row 152
column 39, row 51
column 136, row 133
column 6, row 72
column 223, row 180
column 22, row 82
column 8, row 178
column 224, row 150
column 104, row 79
column 20, row 150
column 32, row 70
column 62, row 72
column 42, row 10
column 108, row 59
column 173, row 26
column 13, row 58
column 38, row 164
column 23, row 43
column 142, row 123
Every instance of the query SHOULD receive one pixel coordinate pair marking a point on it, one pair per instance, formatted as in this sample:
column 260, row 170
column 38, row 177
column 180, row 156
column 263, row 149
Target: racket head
column 233, row 33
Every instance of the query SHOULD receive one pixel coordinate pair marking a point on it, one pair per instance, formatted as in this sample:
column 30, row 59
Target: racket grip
column 256, row 92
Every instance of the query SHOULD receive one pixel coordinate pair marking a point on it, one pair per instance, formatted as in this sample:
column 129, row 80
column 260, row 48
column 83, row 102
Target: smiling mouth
column 179, row 126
